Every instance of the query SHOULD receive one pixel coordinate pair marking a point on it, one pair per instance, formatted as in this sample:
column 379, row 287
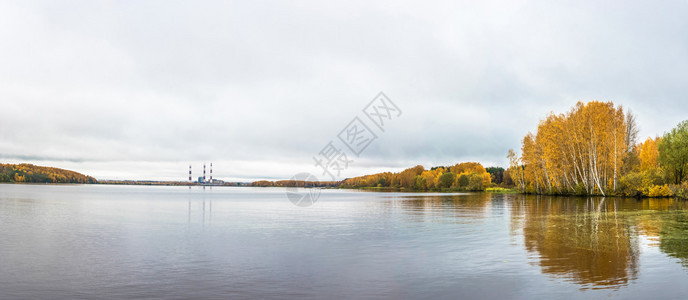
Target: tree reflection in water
column 592, row 242
column 582, row 240
column 595, row 242
column 462, row 208
column 674, row 235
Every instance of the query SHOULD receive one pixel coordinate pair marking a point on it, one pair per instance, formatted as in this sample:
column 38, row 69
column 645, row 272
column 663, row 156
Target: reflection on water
column 595, row 241
column 592, row 242
column 457, row 208
column 205, row 210
column 175, row 242
column 584, row 240
column 674, row 235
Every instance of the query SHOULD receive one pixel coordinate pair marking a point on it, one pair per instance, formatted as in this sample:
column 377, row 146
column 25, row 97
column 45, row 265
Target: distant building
column 200, row 179
column 216, row 181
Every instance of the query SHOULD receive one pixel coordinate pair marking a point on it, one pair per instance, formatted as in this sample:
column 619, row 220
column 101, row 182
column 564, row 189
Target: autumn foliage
column 591, row 150
column 37, row 174
column 468, row 176
column 581, row 150
column 294, row 183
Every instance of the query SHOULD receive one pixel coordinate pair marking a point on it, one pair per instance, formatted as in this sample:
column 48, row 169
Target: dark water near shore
column 98, row 241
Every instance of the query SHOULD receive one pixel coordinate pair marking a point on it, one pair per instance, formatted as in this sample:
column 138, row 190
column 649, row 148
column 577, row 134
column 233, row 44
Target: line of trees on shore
column 468, row 176
column 165, row 183
column 19, row 173
column 593, row 150
column 295, row 183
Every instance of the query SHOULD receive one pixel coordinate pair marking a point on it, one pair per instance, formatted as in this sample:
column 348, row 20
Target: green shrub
column 446, row 180
column 630, row 185
column 680, row 191
column 463, row 180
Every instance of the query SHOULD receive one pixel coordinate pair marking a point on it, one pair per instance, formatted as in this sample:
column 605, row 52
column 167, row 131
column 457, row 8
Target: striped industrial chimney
column 204, row 172
column 211, row 172
column 190, row 173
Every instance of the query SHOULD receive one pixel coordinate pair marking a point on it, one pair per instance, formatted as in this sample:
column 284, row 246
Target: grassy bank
column 500, row 190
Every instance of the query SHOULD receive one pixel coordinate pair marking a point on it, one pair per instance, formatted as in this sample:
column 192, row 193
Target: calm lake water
column 100, row 241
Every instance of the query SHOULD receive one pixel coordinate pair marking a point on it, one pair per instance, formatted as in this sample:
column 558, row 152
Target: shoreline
column 495, row 190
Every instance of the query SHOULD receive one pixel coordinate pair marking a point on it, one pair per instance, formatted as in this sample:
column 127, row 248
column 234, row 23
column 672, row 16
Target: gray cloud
column 142, row 89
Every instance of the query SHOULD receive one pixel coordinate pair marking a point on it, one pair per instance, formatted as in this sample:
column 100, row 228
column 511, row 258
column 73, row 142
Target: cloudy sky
column 142, row 89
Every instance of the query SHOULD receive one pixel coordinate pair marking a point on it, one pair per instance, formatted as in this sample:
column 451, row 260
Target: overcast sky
column 142, row 89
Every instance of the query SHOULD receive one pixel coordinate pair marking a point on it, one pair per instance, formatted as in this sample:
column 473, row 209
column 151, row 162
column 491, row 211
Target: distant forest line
column 36, row 174
column 468, row 176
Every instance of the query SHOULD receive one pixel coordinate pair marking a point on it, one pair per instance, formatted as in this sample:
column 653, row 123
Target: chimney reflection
column 204, row 207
